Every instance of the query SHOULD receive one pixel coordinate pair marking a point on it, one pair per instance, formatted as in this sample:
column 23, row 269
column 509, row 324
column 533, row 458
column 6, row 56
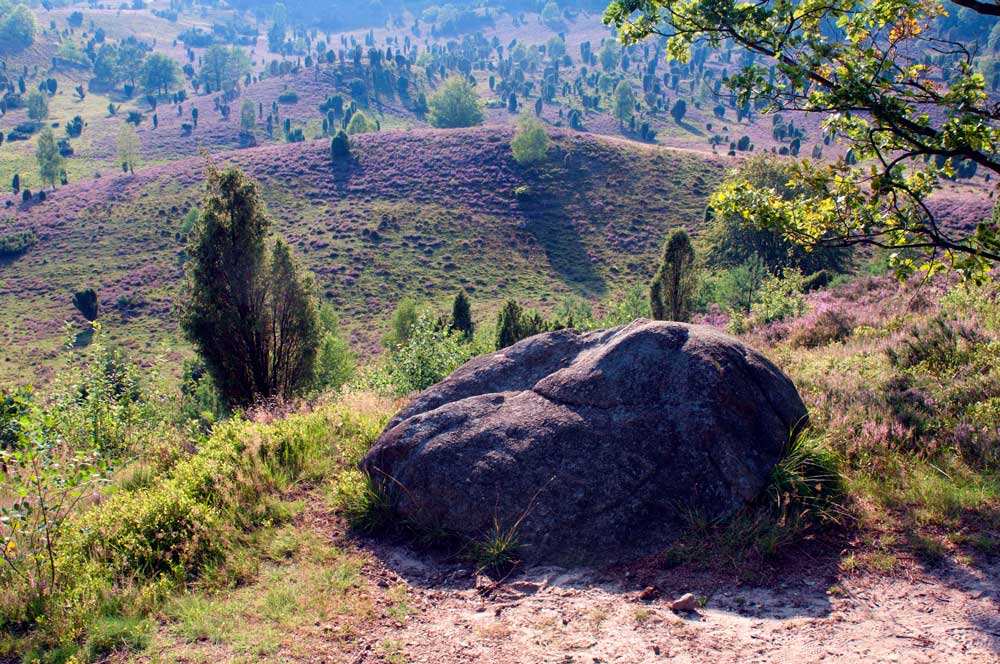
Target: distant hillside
column 419, row 213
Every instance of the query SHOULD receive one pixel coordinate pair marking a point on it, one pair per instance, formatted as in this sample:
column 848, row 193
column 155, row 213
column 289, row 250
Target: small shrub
column 14, row 244
column 530, row 143
column 152, row 532
column 938, row 343
column 830, row 326
column 807, row 480
column 779, row 298
column 429, row 355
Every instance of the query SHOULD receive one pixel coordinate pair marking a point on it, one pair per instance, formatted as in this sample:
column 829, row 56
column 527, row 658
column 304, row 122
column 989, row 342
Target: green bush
column 404, row 318
column 152, row 532
column 530, row 143
column 779, row 298
column 455, row 104
column 365, row 503
column 15, row 244
column 431, row 353
column 335, row 361
column 360, row 123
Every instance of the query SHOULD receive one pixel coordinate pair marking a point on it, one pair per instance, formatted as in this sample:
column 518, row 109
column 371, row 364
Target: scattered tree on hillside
column 731, row 240
column 248, row 116
column 461, row 315
column 623, row 103
column 129, row 147
column 50, row 160
column 340, row 146
column 455, row 104
column 894, row 110
column 249, row 310
column 17, row 26
column 609, row 55
column 85, row 302
column 159, row 73
column 679, row 110
column 222, row 68
column 404, row 318
column 129, row 64
column 531, row 142
column 38, row 106
column 360, row 124
column 673, row 286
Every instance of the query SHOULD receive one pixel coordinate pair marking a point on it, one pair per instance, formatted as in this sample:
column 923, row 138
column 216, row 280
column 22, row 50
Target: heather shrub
column 829, row 326
column 938, row 344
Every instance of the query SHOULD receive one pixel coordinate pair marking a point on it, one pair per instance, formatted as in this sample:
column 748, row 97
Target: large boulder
column 592, row 446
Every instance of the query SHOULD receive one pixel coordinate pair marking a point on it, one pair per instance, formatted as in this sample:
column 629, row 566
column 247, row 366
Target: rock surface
column 591, row 447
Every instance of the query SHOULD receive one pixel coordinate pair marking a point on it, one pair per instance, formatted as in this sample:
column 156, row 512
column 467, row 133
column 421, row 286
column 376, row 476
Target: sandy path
column 549, row 615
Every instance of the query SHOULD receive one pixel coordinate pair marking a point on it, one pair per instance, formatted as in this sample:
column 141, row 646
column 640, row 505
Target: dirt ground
column 549, row 615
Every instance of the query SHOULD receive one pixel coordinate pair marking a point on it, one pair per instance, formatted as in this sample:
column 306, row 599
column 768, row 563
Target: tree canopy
column 455, row 104
column 222, row 68
column 905, row 118
column 50, row 161
column 159, row 73
column 249, row 310
column 17, row 26
column 531, row 142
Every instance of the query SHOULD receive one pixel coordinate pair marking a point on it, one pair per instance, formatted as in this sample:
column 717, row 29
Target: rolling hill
column 419, row 213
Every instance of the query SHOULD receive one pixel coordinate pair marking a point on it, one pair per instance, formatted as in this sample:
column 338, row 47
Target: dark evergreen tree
column 340, row 146
column 85, row 302
column 249, row 311
column 673, row 285
column 508, row 324
column 461, row 315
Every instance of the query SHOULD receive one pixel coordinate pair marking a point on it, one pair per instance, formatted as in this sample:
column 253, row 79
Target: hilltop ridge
column 418, row 213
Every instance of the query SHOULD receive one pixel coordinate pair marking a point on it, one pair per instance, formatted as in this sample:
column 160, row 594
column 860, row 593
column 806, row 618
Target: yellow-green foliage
column 150, row 532
column 138, row 546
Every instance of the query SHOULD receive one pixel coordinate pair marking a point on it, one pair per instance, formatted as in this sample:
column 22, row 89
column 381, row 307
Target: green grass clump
column 498, row 551
column 367, row 505
column 113, row 634
column 808, row 480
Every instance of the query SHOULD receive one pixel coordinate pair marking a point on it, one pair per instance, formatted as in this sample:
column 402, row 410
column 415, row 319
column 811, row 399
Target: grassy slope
column 416, row 213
